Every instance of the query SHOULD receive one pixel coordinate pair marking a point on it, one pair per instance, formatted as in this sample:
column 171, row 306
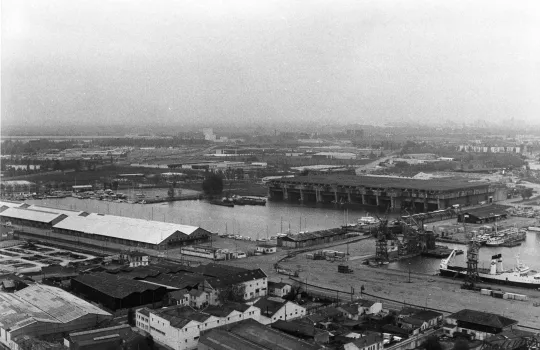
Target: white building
column 368, row 307
column 266, row 248
column 180, row 327
column 254, row 282
column 273, row 310
column 136, row 258
column 279, row 289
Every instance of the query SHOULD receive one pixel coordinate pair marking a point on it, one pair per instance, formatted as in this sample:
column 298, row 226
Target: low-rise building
column 412, row 323
column 39, row 310
column 368, row 307
column 116, row 337
column 272, row 310
column 263, row 248
column 477, row 324
column 279, row 289
column 136, row 258
column 252, row 335
column 432, row 318
column 302, row 330
column 369, row 341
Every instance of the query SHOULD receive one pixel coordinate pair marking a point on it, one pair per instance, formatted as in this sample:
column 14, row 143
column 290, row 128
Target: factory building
column 483, row 215
column 31, row 218
column 116, row 292
column 40, row 310
column 116, row 232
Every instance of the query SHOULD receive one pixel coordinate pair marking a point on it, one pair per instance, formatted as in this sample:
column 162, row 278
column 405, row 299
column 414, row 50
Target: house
column 263, row 248
column 349, row 311
column 136, row 258
column 512, row 339
column 302, row 330
column 178, row 297
column 234, row 312
column 368, row 307
column 198, row 298
column 477, row 324
column 369, row 341
column 253, row 282
column 272, row 310
column 432, row 318
column 413, row 323
column 279, row 289
column 395, row 330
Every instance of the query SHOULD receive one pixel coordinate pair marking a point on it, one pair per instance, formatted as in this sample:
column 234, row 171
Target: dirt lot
column 433, row 291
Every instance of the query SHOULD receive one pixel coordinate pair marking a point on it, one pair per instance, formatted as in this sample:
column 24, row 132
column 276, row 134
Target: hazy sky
column 98, row 61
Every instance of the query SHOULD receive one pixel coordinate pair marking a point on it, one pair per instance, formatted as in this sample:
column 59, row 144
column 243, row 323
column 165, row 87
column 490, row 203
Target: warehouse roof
column 146, row 231
column 218, row 339
column 483, row 318
column 115, row 286
column 10, row 204
column 59, row 211
column 268, row 338
column 441, row 184
column 487, row 212
column 31, row 215
column 226, row 309
column 236, row 278
column 42, row 303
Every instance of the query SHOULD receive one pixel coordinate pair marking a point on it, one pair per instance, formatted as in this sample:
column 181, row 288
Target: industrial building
column 306, row 239
column 179, row 327
column 39, row 310
column 31, row 218
column 483, row 215
column 116, row 292
column 477, row 324
column 118, row 232
column 250, row 334
column 388, row 192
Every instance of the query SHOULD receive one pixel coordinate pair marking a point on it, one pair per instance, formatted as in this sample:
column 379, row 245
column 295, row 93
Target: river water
column 275, row 217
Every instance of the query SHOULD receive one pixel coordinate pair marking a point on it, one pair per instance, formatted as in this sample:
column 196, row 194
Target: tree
column 296, row 290
column 131, row 317
column 233, row 292
column 526, row 193
column 432, row 343
column 212, row 185
column 461, row 344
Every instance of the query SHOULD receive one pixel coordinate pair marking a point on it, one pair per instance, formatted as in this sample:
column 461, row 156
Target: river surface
column 275, row 217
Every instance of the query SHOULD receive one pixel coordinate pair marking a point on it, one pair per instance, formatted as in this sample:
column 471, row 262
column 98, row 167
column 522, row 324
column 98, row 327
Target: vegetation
column 232, row 293
column 432, row 343
column 526, row 192
column 461, row 344
column 296, row 290
column 131, row 317
column 212, row 185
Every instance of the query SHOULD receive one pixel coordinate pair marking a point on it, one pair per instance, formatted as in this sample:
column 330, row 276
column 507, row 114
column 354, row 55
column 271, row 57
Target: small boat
column 495, row 242
column 222, row 203
column 520, row 267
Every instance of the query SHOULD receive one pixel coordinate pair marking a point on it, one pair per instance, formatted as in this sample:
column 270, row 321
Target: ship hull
column 461, row 272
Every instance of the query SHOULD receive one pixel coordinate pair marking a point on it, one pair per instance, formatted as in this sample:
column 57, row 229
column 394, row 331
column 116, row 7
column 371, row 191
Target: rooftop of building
column 66, row 212
column 367, row 340
column 299, row 329
column 427, row 315
column 183, row 312
column 10, row 204
column 226, row 309
column 146, row 231
column 94, row 335
column 218, row 339
column 268, row 306
column 113, row 285
column 277, row 284
column 488, row 211
column 42, row 303
column 413, row 320
column 442, row 184
column 483, row 318
column 30, row 215
column 236, row 278
column 269, row 338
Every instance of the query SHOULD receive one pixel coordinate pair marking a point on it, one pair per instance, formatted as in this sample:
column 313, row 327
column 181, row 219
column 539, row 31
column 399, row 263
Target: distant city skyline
column 71, row 64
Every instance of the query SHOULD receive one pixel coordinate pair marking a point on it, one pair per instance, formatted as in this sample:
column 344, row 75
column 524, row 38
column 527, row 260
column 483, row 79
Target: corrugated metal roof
column 146, row 231
column 55, row 210
column 31, row 215
column 10, row 204
column 42, row 303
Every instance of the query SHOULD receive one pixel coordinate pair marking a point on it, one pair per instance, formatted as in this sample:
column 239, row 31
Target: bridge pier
column 363, row 199
column 377, row 199
column 301, row 195
column 285, row 193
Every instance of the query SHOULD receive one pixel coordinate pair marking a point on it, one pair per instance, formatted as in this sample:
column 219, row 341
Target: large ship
column 520, row 275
